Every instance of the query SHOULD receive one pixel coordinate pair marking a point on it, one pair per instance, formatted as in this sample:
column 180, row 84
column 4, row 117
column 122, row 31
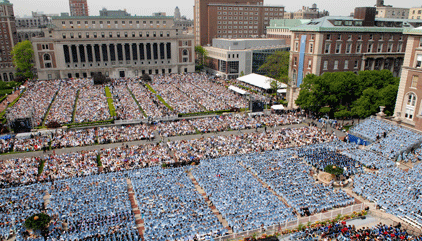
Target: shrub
column 53, row 124
column 41, row 166
column 333, row 170
column 99, row 163
column 37, row 221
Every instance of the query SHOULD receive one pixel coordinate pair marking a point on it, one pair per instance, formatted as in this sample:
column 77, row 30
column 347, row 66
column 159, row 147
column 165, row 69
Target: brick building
column 337, row 44
column 118, row 47
column 280, row 28
column 408, row 105
column 232, row 19
column 8, row 40
column 78, row 8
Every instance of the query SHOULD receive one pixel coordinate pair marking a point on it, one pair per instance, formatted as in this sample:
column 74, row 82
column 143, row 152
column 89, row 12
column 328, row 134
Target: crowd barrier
column 294, row 224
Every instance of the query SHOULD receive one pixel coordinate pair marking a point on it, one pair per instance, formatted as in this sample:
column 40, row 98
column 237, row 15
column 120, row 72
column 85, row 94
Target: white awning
column 282, row 91
column 260, row 81
column 277, row 107
column 237, row 90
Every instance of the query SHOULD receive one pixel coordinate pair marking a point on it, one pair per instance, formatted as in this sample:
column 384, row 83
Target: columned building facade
column 338, row 44
column 78, row 47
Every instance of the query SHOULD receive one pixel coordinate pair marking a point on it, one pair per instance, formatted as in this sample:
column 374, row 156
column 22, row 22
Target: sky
column 145, row 7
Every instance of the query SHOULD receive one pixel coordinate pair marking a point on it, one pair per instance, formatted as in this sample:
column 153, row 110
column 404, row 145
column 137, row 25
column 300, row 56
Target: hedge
column 89, row 123
column 41, row 167
column 110, row 102
column 218, row 112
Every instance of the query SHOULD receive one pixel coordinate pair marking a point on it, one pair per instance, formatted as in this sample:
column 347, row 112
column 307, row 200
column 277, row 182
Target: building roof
column 327, row 24
column 415, row 31
column 287, row 23
column 260, row 81
column 237, row 90
column 5, row 2
column 108, row 17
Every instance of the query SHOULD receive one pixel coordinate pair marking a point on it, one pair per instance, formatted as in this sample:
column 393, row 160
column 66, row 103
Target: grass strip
column 74, row 106
column 134, row 98
column 11, row 105
column 159, row 97
column 48, row 109
column 110, row 102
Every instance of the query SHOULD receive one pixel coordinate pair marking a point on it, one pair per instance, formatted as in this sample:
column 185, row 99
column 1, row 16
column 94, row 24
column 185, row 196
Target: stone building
column 409, row 105
column 118, row 47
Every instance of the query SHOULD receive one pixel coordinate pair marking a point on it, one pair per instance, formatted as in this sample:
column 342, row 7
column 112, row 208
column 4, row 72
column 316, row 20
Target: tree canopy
column 201, row 54
column 276, row 66
column 333, row 170
column 23, row 56
column 344, row 94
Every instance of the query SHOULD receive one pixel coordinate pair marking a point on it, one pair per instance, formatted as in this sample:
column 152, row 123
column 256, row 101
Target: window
column 410, row 106
column 338, row 48
column 371, row 37
column 415, row 79
column 339, row 37
column 356, row 64
column 327, row 48
column 420, row 42
column 64, row 35
column 390, row 47
column 399, row 47
column 348, row 48
column 309, row 64
column 325, row 66
column 47, row 57
column 335, row 64
column 418, row 61
column 346, row 64
column 380, row 48
column 359, row 37
column 370, row 48
column 294, row 61
column 311, row 47
column 296, row 46
column 328, row 37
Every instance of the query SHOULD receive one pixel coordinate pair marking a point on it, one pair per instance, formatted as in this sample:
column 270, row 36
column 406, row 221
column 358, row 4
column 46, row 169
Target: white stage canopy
column 277, row 107
column 260, row 81
column 237, row 90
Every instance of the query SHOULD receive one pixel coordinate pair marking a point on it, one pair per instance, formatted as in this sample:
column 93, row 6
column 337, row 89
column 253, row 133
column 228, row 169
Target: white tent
column 237, row 90
column 260, row 81
column 282, row 91
column 277, row 107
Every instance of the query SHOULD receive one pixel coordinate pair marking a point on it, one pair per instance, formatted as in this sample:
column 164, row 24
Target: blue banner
column 357, row 140
column 301, row 60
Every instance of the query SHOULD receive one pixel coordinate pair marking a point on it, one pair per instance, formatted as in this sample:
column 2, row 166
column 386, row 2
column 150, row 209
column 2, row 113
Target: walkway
column 143, row 142
column 134, row 203
column 213, row 208
column 9, row 99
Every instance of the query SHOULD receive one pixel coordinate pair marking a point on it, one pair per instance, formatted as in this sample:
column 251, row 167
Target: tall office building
column 9, row 39
column 78, row 8
column 232, row 19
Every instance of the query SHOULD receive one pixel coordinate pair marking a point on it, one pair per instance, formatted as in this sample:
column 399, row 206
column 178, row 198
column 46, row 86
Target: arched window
column 47, row 57
column 410, row 106
column 185, row 52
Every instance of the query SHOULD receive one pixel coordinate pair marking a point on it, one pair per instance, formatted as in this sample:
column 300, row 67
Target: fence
column 294, row 224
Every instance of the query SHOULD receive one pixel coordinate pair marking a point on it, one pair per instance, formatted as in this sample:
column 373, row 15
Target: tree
column 276, row 66
column 201, row 54
column 38, row 222
column 333, row 170
column 23, row 56
column 344, row 94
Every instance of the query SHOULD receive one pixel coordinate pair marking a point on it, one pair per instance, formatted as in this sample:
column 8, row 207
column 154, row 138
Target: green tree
column 201, row 54
column 344, row 94
column 333, row 170
column 276, row 66
column 23, row 56
column 38, row 222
